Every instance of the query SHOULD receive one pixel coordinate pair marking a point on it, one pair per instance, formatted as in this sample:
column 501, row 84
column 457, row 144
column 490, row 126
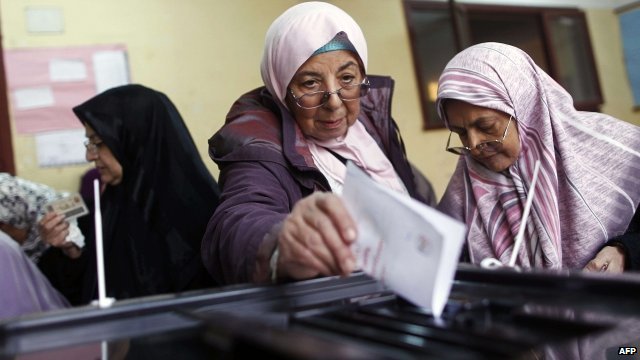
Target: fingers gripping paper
column 410, row 247
column 71, row 206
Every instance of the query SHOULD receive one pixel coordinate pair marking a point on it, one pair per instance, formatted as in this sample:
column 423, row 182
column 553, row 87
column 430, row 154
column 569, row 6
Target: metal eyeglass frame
column 91, row 147
column 482, row 147
column 364, row 88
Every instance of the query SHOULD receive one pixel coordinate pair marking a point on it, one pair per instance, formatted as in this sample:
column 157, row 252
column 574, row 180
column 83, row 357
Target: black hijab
column 153, row 221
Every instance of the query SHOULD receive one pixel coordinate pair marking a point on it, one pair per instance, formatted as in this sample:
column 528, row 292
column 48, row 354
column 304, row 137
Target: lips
column 485, row 158
column 332, row 124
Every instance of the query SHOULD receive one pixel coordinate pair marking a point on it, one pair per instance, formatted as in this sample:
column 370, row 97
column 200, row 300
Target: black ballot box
column 490, row 314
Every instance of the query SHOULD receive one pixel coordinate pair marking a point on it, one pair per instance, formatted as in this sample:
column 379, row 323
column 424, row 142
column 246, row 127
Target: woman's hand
column 54, row 230
column 315, row 238
column 609, row 259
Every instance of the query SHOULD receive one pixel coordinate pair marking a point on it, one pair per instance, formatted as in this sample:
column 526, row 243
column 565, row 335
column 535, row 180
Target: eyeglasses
column 316, row 99
column 488, row 147
column 92, row 148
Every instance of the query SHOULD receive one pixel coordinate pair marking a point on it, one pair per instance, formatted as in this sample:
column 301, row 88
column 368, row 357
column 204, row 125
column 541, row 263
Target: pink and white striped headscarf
column 589, row 181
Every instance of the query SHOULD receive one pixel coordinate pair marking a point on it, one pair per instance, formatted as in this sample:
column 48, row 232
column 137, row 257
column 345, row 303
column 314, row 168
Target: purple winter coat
column 266, row 167
column 23, row 288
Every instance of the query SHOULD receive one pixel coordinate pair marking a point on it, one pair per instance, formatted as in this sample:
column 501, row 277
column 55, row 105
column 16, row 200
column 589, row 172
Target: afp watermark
column 627, row 350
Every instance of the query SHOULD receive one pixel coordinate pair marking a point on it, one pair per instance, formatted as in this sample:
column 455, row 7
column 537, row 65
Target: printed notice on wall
column 27, row 98
column 110, row 69
column 46, row 83
column 60, row 148
column 62, row 70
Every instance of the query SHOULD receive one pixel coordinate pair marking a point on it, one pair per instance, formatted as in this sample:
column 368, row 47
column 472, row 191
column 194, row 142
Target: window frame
column 459, row 17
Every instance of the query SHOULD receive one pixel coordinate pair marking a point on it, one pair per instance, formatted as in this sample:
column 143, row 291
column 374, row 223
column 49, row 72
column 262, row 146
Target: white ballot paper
column 411, row 248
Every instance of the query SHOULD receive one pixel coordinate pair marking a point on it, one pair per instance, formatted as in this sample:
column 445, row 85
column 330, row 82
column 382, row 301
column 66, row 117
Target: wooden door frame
column 6, row 142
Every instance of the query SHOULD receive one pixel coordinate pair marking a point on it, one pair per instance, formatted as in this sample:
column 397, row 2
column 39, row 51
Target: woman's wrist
column 72, row 251
column 261, row 272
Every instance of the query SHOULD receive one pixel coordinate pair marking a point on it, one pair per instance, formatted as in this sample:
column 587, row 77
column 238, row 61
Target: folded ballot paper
column 410, row 247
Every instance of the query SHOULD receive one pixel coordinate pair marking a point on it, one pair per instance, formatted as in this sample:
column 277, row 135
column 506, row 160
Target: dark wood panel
column 6, row 143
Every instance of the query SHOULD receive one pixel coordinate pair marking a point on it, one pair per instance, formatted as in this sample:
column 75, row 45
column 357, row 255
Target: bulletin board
column 630, row 31
column 44, row 85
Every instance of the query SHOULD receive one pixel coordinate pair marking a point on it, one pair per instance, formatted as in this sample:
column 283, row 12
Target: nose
column 473, row 139
column 90, row 155
column 334, row 101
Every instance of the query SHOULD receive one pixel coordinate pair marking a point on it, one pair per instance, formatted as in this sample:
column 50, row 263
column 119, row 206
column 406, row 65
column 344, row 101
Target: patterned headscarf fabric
column 22, row 204
column 588, row 186
column 297, row 34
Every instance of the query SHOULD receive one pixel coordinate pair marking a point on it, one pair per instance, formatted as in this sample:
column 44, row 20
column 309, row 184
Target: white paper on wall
column 65, row 70
column 33, row 97
column 60, row 148
column 110, row 68
column 44, row 19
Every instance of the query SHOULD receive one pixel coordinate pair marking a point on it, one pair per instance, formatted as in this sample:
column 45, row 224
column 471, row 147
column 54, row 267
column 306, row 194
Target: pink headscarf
column 290, row 41
column 588, row 186
column 296, row 34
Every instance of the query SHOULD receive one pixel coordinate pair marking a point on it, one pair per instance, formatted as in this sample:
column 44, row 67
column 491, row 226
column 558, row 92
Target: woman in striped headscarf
column 505, row 113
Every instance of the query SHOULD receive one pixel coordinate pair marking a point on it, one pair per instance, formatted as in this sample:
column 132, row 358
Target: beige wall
column 204, row 53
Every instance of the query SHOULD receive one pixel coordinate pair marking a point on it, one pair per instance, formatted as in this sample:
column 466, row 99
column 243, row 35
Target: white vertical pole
column 525, row 215
column 103, row 301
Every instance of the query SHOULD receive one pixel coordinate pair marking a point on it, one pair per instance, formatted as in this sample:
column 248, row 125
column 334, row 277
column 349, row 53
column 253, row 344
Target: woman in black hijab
column 158, row 194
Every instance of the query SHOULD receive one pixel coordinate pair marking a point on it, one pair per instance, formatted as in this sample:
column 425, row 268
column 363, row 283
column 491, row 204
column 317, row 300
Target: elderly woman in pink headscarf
column 505, row 113
column 283, row 149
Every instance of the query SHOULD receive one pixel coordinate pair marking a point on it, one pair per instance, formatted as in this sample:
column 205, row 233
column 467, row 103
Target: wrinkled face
column 328, row 71
column 476, row 124
column 108, row 166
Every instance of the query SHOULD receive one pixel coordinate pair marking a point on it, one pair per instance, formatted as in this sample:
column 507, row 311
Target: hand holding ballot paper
column 410, row 247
